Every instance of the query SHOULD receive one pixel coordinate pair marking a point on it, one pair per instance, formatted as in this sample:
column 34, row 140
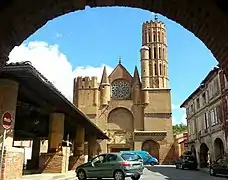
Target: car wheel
column 177, row 167
column 181, row 166
column 152, row 163
column 211, row 171
column 118, row 175
column 81, row 175
column 136, row 177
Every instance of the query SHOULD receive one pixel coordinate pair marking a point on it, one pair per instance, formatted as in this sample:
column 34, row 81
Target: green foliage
column 179, row 128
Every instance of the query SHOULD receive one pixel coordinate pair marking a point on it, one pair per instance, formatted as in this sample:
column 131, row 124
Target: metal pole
column 2, row 153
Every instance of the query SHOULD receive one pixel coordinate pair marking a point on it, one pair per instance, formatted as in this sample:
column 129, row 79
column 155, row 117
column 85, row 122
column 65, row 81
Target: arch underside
column 120, row 127
column 206, row 19
column 152, row 147
column 204, row 155
column 218, row 148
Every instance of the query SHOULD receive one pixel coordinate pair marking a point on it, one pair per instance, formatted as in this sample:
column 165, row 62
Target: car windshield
column 130, row 157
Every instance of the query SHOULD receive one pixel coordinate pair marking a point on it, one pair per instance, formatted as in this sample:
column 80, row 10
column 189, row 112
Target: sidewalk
column 51, row 176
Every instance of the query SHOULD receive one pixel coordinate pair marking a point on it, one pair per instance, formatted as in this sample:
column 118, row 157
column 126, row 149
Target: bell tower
column 154, row 37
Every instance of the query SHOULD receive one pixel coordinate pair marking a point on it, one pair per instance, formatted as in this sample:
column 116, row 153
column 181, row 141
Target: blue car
column 147, row 158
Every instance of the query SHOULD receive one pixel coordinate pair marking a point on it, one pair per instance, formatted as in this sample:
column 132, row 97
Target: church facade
column 134, row 111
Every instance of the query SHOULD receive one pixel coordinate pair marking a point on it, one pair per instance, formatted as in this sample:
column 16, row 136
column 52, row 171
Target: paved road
column 171, row 173
column 152, row 173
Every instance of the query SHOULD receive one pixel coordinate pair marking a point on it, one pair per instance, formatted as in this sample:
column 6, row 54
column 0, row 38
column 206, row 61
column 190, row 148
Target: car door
column 111, row 164
column 96, row 169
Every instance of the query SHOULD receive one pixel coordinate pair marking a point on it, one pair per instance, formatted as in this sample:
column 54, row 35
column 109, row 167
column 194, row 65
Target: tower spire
column 136, row 79
column 120, row 60
column 104, row 79
column 156, row 17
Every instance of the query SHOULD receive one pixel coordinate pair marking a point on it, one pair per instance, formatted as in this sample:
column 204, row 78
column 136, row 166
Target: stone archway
column 121, row 119
column 207, row 21
column 193, row 150
column 204, row 150
column 120, row 127
column 218, row 148
column 152, row 147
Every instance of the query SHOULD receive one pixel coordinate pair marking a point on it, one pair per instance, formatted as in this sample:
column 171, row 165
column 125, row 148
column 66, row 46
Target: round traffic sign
column 6, row 120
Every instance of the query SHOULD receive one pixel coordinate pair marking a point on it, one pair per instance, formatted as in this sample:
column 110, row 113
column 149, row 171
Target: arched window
column 155, row 69
column 159, row 36
column 155, row 53
column 145, row 36
column 149, row 53
column 164, row 70
column 159, row 53
column 149, row 35
column 163, row 53
column 154, row 34
column 160, row 69
column 163, row 38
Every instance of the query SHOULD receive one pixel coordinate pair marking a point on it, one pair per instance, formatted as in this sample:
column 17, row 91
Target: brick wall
column 75, row 161
column 12, row 163
column 167, row 153
column 51, row 162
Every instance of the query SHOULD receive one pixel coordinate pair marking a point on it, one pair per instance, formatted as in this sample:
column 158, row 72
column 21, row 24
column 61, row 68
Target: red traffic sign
column 7, row 120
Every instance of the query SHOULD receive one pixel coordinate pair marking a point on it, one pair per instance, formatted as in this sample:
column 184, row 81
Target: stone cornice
column 150, row 133
column 159, row 115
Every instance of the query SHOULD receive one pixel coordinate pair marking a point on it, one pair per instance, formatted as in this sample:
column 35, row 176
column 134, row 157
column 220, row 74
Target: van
column 147, row 158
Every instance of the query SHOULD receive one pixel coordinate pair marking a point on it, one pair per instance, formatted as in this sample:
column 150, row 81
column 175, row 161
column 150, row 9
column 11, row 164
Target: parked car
column 219, row 167
column 186, row 162
column 147, row 158
column 112, row 165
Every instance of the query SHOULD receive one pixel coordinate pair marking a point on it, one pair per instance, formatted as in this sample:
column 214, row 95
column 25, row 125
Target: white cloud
column 58, row 35
column 53, row 64
column 179, row 115
column 92, row 71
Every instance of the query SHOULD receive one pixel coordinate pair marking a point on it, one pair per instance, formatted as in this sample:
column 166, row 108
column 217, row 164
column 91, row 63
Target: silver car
column 112, row 165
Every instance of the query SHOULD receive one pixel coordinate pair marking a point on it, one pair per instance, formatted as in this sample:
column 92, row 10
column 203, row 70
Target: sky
column 81, row 43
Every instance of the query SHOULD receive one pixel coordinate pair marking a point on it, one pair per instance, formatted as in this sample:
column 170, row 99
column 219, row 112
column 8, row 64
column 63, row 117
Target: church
column 135, row 112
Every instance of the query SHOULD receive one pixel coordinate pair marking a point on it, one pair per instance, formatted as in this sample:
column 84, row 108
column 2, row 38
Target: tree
column 179, row 128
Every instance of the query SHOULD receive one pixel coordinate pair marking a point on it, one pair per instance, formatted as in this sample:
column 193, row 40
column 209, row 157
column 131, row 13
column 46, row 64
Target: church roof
column 120, row 72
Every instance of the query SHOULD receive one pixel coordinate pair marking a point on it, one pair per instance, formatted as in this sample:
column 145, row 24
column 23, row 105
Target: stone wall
column 12, row 163
column 167, row 153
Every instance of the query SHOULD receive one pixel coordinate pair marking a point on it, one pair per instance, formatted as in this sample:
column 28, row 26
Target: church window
column 159, row 52
column 164, row 71
column 160, row 69
column 163, row 38
column 159, row 36
column 155, row 69
column 149, row 36
column 154, row 34
column 155, row 53
column 149, row 53
column 121, row 89
column 163, row 53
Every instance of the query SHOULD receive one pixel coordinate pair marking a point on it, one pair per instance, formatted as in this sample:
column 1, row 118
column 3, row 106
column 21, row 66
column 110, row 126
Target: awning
column 25, row 74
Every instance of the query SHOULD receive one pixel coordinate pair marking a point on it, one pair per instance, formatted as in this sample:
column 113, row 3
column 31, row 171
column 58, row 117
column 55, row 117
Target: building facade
column 206, row 136
column 180, row 143
column 135, row 112
column 224, row 89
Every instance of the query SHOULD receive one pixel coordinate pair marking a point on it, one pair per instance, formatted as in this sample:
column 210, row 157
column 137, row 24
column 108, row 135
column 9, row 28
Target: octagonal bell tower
column 154, row 37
